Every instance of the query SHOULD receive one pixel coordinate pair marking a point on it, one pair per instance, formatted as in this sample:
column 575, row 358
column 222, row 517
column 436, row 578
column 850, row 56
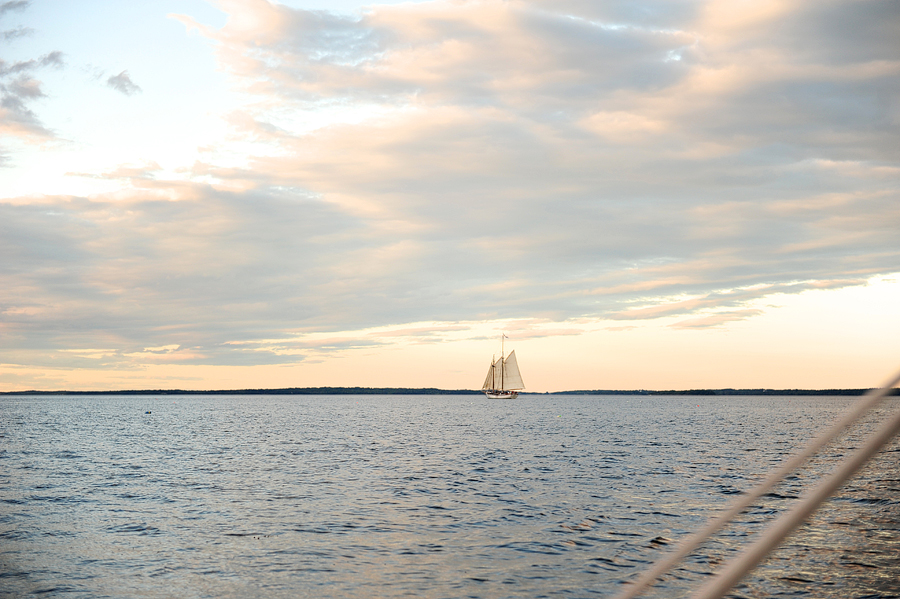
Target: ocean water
column 422, row 496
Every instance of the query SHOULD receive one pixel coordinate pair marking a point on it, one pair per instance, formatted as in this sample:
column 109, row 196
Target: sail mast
column 502, row 336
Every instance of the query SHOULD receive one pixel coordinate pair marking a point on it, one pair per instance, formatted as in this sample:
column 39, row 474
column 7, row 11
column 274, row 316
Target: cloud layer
column 480, row 160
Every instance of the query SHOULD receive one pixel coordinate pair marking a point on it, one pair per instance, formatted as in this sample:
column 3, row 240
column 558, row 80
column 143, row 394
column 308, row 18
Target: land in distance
column 433, row 391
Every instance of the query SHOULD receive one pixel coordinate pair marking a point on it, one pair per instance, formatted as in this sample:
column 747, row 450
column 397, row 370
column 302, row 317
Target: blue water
column 424, row 496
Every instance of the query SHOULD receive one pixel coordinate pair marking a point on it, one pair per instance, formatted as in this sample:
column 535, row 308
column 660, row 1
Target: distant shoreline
column 433, row 391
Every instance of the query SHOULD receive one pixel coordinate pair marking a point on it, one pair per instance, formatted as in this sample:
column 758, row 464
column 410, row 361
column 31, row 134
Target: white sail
column 512, row 380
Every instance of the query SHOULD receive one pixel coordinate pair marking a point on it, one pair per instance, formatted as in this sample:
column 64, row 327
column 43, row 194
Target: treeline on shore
column 771, row 392
column 288, row 391
column 433, row 391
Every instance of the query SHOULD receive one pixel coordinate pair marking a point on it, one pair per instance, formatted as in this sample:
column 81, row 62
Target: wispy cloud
column 13, row 5
column 123, row 83
column 715, row 320
column 11, row 34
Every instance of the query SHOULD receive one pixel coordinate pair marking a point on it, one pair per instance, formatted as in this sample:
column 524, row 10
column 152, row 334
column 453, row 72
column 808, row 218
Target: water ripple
column 432, row 496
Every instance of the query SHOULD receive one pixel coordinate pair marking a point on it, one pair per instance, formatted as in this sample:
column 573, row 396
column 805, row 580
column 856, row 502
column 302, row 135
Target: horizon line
column 436, row 391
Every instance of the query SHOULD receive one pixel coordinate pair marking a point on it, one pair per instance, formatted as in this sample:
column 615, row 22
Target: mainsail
column 503, row 375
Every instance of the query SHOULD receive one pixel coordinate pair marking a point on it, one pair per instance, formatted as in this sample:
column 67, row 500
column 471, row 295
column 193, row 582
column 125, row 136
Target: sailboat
column 503, row 380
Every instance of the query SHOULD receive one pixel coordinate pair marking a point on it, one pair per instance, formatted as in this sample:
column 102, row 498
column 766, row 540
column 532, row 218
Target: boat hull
column 495, row 394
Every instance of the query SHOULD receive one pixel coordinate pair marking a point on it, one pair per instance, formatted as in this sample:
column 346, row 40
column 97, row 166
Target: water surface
column 425, row 496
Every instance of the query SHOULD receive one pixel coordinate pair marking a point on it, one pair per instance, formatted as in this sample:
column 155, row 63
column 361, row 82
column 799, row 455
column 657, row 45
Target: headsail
column 493, row 376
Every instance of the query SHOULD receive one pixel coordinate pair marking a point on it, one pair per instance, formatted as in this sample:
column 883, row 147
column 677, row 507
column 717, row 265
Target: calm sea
column 421, row 496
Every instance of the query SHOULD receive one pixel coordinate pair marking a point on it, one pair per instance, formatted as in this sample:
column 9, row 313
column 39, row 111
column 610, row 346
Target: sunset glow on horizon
column 242, row 194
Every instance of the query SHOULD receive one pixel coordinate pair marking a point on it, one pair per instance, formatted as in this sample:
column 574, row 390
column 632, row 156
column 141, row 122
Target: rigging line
column 866, row 403
column 737, row 568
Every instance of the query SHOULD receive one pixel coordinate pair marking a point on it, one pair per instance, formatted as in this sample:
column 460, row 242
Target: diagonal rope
column 808, row 503
column 866, row 403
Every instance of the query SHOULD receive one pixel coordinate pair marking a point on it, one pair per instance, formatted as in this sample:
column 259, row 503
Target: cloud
column 579, row 134
column 123, row 83
column 471, row 53
column 18, row 89
column 483, row 160
column 13, row 5
column 715, row 320
column 11, row 34
column 132, row 173
column 163, row 265
column 52, row 59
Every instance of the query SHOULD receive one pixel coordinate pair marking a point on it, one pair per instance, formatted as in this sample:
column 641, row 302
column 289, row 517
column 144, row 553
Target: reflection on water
column 431, row 496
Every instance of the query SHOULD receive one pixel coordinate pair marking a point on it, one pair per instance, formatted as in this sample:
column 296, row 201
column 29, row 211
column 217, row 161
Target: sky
column 671, row 194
